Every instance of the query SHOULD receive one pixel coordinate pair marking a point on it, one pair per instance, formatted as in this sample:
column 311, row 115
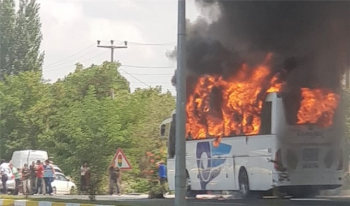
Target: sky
column 71, row 29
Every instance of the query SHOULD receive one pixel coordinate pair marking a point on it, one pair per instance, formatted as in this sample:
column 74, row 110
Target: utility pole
column 112, row 47
column 180, row 142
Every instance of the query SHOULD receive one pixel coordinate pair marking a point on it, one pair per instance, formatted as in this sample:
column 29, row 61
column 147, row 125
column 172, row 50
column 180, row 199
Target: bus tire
column 243, row 183
column 189, row 192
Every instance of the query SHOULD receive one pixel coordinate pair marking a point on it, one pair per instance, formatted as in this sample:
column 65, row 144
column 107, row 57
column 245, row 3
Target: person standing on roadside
column 32, row 178
column 84, row 170
column 39, row 169
column 26, row 179
column 161, row 172
column 5, row 172
column 112, row 179
column 17, row 175
column 119, row 180
column 49, row 174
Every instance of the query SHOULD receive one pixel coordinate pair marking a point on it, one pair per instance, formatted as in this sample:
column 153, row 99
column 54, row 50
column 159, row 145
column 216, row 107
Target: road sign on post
column 120, row 160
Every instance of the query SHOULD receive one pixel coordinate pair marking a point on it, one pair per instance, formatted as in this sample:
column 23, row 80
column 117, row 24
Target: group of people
column 33, row 179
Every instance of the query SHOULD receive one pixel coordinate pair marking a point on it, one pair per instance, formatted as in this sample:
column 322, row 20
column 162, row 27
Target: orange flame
column 220, row 106
column 317, row 106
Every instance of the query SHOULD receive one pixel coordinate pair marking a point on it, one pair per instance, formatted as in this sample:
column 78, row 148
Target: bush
column 155, row 189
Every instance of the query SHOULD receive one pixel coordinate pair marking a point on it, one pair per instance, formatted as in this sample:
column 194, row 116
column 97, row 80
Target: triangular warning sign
column 120, row 160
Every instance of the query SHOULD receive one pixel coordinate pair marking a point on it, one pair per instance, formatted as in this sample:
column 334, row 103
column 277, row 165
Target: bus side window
column 266, row 118
column 171, row 142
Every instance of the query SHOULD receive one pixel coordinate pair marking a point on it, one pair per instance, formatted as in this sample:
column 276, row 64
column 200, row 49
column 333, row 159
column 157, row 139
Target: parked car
column 11, row 179
column 57, row 169
column 62, row 185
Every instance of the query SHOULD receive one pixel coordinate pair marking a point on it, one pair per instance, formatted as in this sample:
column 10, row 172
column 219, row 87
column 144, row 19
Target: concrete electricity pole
column 180, row 142
column 112, row 47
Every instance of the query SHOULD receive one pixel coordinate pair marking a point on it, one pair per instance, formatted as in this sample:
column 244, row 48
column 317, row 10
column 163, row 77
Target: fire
column 230, row 106
column 317, row 106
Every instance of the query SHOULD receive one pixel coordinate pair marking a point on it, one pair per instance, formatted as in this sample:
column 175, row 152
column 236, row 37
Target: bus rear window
column 266, row 118
column 291, row 103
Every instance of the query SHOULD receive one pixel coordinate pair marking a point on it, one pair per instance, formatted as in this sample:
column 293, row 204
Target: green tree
column 28, row 38
column 25, row 109
column 146, row 109
column 87, row 122
column 88, row 131
column 7, row 23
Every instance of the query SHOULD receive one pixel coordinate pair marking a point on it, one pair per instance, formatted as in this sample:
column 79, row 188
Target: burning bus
column 264, row 99
column 275, row 143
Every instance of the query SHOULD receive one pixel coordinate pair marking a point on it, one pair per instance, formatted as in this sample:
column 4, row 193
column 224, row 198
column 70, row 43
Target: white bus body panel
column 211, row 168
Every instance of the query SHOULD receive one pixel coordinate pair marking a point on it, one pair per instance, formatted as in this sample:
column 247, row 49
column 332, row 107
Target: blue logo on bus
column 208, row 162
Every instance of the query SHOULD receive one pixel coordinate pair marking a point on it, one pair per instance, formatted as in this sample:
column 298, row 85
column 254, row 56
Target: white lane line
column 220, row 203
column 309, row 199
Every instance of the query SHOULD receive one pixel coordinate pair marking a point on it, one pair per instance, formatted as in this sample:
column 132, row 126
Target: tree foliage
column 20, row 37
column 83, row 117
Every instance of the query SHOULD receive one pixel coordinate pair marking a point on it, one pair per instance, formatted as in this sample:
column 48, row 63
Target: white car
column 11, row 179
column 57, row 169
column 62, row 185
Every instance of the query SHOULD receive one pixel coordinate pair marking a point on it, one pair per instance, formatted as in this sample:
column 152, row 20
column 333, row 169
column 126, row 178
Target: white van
column 27, row 156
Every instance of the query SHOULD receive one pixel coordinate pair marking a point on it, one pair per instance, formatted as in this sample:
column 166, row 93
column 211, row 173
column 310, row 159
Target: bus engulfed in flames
column 231, row 106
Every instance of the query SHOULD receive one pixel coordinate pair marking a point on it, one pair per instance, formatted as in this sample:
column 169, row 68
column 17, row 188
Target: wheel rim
column 244, row 187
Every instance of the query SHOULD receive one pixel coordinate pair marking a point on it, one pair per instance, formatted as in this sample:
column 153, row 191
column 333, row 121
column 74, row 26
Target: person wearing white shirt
column 5, row 173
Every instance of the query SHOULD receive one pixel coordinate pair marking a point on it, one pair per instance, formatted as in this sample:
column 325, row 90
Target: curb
column 11, row 202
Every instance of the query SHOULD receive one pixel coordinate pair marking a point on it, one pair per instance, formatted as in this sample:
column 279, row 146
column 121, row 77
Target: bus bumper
column 326, row 180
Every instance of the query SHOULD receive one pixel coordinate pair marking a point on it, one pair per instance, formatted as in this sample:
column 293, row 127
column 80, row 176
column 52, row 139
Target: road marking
column 220, row 203
column 309, row 199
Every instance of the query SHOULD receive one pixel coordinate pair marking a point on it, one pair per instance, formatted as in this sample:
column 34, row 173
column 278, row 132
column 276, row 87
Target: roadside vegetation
column 85, row 116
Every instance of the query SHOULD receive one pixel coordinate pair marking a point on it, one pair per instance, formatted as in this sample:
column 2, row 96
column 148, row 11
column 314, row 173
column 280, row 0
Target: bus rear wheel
column 189, row 192
column 243, row 184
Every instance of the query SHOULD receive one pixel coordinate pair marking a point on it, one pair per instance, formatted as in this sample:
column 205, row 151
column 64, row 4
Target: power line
column 147, row 67
column 100, row 54
column 131, row 66
column 69, row 61
column 135, row 78
column 149, row 74
column 70, row 55
column 151, row 44
column 64, row 60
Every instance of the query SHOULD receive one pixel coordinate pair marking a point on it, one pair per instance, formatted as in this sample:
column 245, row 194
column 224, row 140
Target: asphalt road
column 143, row 201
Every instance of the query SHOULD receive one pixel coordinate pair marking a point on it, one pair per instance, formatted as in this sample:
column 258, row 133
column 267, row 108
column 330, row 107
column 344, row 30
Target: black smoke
column 310, row 40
